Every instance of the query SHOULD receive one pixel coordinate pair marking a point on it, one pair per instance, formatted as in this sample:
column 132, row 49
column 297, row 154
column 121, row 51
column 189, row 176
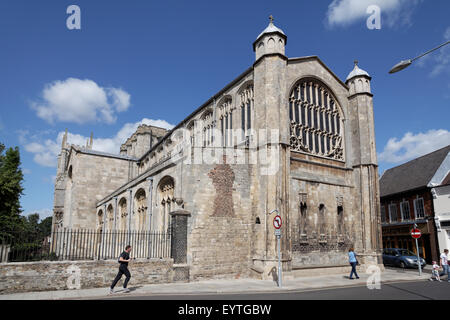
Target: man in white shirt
column 444, row 264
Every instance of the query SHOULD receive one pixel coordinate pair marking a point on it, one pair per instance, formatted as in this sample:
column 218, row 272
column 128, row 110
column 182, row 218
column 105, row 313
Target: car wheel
column 402, row 265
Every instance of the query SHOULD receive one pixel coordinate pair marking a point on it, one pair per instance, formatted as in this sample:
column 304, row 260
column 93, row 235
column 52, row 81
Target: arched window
column 141, row 209
column 226, row 121
column 246, row 110
column 208, row 126
column 315, row 120
column 110, row 217
column 166, row 197
column 123, row 212
column 100, row 220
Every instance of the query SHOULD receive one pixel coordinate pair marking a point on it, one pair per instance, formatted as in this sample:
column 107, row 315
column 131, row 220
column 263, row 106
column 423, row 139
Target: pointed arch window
column 315, row 120
column 246, row 110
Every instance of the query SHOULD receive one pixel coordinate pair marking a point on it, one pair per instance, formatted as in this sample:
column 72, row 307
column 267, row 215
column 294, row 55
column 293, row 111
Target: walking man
column 444, row 264
column 123, row 270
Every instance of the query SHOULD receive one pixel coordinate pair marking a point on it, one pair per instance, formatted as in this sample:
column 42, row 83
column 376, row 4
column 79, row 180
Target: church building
column 286, row 136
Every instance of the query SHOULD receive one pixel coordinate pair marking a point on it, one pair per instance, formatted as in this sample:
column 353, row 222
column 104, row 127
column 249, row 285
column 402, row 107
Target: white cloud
column 80, row 101
column 411, row 146
column 46, row 150
column 26, row 171
column 393, row 12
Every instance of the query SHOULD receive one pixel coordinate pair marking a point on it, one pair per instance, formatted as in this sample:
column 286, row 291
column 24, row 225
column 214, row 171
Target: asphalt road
column 418, row 290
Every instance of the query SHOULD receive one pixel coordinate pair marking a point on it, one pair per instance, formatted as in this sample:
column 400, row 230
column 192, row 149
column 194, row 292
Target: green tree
column 11, row 189
column 45, row 227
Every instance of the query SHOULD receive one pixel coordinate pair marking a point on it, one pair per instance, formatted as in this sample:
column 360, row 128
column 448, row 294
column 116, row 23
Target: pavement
column 390, row 275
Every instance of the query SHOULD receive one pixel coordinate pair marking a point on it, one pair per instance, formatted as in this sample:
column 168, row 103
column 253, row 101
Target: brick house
column 406, row 197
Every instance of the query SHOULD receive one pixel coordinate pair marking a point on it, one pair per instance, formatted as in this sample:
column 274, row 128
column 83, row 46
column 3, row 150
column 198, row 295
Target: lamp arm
column 445, row 43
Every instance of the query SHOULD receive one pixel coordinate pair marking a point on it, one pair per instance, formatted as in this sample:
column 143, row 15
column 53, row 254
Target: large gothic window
column 315, row 120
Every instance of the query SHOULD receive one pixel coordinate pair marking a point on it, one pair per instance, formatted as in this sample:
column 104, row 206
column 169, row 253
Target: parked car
column 402, row 258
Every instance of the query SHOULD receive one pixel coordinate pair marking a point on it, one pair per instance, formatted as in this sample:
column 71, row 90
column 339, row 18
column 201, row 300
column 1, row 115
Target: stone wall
column 93, row 177
column 52, row 275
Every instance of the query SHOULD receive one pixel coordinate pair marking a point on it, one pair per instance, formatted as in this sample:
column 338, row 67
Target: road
column 417, row 290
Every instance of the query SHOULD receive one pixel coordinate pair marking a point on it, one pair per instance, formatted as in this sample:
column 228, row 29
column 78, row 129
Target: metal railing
column 84, row 244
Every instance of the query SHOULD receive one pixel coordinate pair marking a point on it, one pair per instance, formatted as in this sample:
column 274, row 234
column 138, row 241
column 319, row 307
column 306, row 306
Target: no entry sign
column 415, row 233
column 277, row 222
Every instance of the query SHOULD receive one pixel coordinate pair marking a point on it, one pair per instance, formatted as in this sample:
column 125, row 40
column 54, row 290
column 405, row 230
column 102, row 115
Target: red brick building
column 406, row 198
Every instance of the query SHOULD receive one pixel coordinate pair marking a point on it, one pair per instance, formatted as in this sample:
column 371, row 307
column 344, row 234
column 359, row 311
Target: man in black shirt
column 123, row 269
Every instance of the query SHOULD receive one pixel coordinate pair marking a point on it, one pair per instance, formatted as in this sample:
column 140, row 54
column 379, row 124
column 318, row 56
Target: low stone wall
column 62, row 275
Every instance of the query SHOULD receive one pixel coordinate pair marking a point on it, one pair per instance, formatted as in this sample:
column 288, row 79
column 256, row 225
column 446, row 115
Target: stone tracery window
column 246, row 110
column 123, row 211
column 141, row 209
column 167, row 200
column 110, row 217
column 208, row 126
column 226, row 121
column 315, row 120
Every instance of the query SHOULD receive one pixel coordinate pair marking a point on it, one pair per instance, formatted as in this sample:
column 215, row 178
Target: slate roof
column 412, row 175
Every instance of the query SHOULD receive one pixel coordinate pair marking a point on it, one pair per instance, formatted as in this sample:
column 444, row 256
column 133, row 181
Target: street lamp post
column 406, row 63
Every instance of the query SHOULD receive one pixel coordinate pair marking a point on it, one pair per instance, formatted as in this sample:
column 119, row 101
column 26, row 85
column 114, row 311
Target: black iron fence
column 83, row 244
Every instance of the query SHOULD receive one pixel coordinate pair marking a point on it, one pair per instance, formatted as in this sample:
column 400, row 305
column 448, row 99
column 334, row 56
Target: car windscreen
column 406, row 253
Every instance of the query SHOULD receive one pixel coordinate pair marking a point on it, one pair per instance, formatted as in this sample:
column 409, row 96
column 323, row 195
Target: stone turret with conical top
column 271, row 41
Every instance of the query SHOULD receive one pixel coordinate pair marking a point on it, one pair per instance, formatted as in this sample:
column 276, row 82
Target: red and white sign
column 415, row 233
column 277, row 222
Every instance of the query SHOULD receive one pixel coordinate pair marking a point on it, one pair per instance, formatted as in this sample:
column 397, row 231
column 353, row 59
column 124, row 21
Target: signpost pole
column 418, row 256
column 279, row 262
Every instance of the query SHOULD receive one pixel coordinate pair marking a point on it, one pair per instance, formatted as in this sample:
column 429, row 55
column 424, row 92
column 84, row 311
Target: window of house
column 393, row 212
column 419, row 209
column 404, row 207
column 383, row 214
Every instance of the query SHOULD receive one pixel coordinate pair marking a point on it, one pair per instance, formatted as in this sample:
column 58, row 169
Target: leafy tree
column 45, row 227
column 11, row 189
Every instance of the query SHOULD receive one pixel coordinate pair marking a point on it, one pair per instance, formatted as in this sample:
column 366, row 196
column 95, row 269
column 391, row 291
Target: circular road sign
column 415, row 233
column 277, row 222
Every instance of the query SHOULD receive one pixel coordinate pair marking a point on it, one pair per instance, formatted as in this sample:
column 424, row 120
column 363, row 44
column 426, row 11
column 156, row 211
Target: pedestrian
column 123, row 270
column 435, row 272
column 353, row 262
column 444, row 264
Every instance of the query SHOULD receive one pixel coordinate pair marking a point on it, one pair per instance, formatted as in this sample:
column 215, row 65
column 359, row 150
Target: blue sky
column 156, row 61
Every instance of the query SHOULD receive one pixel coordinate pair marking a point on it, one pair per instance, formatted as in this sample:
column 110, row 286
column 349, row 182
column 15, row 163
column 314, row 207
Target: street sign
column 277, row 222
column 278, row 232
column 415, row 233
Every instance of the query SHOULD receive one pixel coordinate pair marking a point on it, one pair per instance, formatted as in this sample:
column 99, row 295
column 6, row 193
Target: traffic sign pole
column 418, row 258
column 280, row 283
column 277, row 222
column 414, row 234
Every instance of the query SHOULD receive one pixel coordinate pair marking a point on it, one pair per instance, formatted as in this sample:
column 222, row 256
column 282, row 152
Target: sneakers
column 126, row 290
column 111, row 291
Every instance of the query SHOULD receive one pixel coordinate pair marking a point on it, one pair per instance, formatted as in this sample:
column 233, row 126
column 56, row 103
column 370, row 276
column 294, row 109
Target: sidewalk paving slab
column 224, row 286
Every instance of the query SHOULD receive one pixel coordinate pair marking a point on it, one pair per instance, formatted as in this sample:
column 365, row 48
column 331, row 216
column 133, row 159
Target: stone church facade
column 286, row 135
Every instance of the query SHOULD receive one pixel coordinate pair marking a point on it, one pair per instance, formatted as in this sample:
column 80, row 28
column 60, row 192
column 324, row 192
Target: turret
column 271, row 41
